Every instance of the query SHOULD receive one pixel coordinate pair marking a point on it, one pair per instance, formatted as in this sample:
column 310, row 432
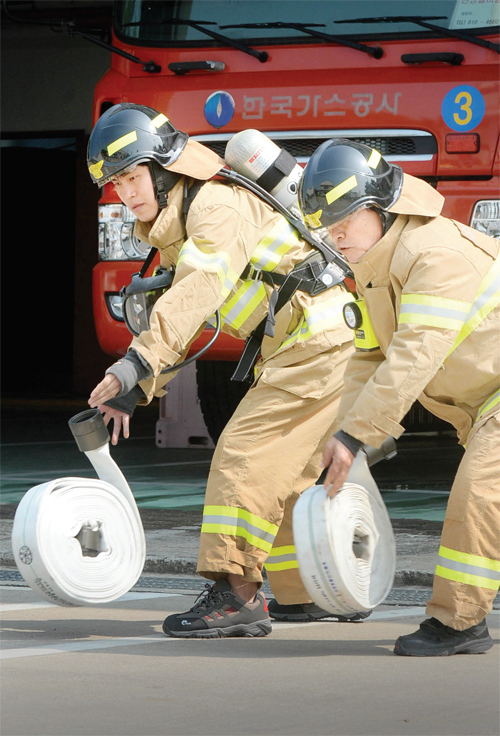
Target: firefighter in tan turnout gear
column 226, row 254
column 427, row 327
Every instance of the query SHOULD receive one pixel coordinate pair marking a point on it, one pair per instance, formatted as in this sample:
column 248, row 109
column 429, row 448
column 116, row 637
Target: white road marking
column 85, row 646
column 7, row 607
column 399, row 613
column 81, row 646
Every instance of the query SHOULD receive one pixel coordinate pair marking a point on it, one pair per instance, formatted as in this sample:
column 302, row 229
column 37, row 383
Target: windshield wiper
column 421, row 20
column 71, row 29
column 375, row 51
column 147, row 66
column 262, row 56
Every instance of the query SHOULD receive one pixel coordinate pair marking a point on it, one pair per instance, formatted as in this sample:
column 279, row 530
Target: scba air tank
column 254, row 155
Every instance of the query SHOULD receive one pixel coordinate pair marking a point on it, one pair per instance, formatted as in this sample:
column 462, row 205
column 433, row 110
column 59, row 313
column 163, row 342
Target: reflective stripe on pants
column 282, row 568
column 468, row 571
column 282, row 558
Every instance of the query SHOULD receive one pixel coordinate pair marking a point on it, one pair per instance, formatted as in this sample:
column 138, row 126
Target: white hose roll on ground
column 345, row 545
column 79, row 541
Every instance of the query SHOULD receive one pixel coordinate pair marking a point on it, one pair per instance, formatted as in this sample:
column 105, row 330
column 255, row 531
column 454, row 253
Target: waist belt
column 79, row 541
column 345, row 545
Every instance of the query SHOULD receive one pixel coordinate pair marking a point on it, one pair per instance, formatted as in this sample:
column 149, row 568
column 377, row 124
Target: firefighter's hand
column 109, row 387
column 121, row 421
column 338, row 459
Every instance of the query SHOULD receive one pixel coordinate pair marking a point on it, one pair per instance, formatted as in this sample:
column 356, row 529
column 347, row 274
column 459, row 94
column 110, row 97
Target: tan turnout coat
column 431, row 288
column 443, row 263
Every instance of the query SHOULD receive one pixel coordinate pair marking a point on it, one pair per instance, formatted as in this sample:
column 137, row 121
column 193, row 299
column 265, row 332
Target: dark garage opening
column 49, row 246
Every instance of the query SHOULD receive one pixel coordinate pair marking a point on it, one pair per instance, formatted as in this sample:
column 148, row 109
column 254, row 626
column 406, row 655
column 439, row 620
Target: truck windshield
column 159, row 23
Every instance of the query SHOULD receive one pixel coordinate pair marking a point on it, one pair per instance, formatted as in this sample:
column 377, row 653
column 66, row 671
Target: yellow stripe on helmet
column 341, row 189
column 122, row 142
column 374, row 159
column 159, row 120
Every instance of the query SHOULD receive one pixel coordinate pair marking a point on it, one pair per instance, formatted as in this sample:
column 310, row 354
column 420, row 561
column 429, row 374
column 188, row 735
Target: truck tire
column 218, row 395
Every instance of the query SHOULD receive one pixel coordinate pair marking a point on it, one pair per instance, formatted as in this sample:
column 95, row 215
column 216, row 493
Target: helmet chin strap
column 386, row 218
column 163, row 182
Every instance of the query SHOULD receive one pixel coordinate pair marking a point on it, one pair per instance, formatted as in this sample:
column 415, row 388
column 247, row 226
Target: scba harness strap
column 304, row 277
column 320, row 270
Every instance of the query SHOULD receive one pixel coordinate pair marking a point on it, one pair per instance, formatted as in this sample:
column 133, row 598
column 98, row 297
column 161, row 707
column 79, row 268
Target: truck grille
column 302, row 146
column 419, row 419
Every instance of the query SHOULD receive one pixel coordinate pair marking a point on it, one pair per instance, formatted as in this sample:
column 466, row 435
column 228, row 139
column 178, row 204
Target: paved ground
column 110, row 671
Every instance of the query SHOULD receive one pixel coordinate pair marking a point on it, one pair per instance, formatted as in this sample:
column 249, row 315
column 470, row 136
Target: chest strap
column 310, row 275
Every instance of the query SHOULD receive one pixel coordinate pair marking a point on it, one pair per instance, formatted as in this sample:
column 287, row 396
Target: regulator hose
column 79, row 541
column 345, row 545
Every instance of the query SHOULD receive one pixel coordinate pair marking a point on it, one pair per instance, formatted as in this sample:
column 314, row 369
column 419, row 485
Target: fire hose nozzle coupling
column 89, row 430
column 386, row 450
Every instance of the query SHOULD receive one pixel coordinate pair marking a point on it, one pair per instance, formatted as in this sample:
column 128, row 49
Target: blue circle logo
column 219, row 109
column 463, row 108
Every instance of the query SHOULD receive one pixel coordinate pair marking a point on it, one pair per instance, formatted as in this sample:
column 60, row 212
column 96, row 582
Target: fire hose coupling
column 90, row 538
column 386, row 451
column 89, row 430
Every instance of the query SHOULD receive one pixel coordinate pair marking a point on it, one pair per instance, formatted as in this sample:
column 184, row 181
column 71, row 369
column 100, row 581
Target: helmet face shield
column 341, row 177
column 140, row 296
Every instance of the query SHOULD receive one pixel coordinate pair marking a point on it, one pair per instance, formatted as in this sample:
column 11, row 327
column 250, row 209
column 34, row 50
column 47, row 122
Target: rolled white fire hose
column 345, row 545
column 79, row 541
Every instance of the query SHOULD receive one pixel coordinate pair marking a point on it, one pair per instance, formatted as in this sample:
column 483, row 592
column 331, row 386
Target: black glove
column 127, row 402
column 349, row 441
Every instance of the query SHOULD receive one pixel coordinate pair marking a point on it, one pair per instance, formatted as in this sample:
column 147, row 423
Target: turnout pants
column 467, row 575
column 268, row 454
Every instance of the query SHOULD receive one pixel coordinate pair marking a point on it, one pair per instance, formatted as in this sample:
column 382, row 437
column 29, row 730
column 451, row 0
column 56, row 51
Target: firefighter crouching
column 271, row 449
column 427, row 327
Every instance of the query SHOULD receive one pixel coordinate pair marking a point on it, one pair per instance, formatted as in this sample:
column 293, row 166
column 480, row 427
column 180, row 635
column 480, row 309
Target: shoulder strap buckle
column 255, row 274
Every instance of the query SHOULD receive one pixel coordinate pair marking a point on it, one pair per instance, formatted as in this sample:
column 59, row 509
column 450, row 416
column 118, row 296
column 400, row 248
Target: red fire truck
column 416, row 80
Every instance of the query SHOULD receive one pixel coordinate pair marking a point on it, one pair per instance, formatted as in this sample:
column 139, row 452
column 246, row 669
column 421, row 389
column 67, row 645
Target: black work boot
column 218, row 613
column 310, row 612
column 434, row 639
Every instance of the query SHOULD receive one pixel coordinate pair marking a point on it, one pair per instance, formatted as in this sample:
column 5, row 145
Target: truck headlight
column 486, row 217
column 117, row 241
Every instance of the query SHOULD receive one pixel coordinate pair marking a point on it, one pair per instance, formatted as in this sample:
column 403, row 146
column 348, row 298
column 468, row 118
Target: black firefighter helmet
column 341, row 177
column 127, row 135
